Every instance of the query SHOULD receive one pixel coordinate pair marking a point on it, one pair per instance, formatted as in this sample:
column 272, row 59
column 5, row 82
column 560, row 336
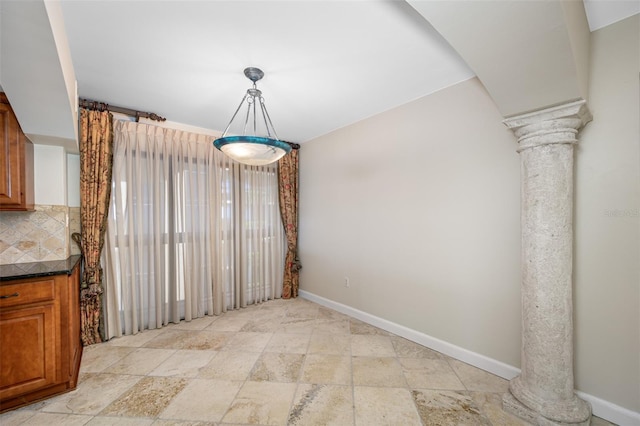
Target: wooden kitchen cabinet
column 16, row 162
column 40, row 347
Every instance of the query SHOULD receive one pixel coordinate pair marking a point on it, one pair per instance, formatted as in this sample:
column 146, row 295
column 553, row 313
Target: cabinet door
column 28, row 355
column 16, row 163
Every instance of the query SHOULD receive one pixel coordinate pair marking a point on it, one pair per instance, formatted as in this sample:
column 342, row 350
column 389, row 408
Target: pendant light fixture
column 261, row 145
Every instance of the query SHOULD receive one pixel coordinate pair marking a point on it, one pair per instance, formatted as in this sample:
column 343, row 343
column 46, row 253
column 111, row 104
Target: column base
column 513, row 406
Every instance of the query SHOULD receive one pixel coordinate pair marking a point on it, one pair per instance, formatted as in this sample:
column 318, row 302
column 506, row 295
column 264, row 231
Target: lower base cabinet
column 40, row 347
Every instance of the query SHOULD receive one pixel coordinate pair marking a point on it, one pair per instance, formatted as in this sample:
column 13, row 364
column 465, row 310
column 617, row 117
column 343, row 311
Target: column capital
column 575, row 109
column 555, row 125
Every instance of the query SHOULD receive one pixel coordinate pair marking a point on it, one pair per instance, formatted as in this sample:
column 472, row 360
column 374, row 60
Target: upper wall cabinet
column 16, row 162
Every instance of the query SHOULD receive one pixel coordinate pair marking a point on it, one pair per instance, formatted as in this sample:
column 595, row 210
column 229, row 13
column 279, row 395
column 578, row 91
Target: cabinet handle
column 6, row 296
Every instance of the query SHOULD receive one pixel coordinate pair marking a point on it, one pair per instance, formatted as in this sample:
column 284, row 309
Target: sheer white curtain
column 190, row 233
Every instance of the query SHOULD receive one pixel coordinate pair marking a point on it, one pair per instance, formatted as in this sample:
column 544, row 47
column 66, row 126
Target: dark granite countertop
column 18, row 271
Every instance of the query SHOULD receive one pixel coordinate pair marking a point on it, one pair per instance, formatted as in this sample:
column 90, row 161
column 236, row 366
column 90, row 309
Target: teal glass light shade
column 252, row 150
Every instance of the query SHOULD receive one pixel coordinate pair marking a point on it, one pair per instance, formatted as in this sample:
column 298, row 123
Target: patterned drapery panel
column 96, row 158
column 288, row 188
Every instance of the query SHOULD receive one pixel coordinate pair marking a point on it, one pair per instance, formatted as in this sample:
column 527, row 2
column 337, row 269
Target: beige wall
column 419, row 207
column 607, row 224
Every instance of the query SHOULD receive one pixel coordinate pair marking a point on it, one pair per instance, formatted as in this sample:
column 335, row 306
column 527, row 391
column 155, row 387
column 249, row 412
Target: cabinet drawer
column 25, row 293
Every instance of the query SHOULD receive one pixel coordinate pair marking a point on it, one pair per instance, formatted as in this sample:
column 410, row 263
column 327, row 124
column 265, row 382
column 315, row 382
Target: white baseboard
column 601, row 408
column 610, row 411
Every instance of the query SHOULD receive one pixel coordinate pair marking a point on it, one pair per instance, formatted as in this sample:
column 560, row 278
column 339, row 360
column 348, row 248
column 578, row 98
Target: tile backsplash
column 40, row 235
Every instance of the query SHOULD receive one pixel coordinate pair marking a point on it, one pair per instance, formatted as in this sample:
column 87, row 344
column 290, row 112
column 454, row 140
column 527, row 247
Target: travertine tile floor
column 282, row 362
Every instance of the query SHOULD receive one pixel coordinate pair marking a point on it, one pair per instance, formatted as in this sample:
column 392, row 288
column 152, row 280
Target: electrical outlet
column 347, row 284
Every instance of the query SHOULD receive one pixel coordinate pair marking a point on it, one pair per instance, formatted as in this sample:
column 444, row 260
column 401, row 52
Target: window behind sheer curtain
column 190, row 233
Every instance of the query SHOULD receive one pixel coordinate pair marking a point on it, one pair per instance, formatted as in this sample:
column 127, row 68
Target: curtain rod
column 101, row 106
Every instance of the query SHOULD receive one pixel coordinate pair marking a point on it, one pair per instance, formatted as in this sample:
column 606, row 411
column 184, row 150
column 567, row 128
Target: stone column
column 543, row 393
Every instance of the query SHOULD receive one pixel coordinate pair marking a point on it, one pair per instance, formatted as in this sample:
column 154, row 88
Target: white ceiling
column 601, row 13
column 327, row 63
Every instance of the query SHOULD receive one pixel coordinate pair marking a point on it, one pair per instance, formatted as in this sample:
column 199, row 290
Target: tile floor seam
column 239, row 389
column 295, row 392
column 449, row 359
column 121, row 393
column 397, row 358
column 353, row 385
column 298, row 382
column 112, row 364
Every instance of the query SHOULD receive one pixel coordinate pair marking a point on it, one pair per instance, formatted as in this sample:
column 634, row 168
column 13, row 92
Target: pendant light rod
column 234, row 116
